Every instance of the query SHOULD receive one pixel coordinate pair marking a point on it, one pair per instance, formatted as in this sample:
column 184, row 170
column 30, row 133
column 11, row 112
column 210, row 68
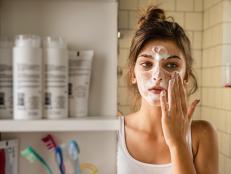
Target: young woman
column 161, row 138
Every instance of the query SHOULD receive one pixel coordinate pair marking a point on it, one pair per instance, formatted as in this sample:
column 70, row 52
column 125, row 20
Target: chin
column 155, row 103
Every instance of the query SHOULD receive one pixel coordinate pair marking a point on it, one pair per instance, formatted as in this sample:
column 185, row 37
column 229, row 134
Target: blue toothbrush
column 59, row 159
column 73, row 151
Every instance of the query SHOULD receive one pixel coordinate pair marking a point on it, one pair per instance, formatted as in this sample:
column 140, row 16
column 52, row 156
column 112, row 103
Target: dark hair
column 154, row 25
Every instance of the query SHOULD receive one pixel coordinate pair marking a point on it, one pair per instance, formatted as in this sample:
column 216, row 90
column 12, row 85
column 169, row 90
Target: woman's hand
column 176, row 115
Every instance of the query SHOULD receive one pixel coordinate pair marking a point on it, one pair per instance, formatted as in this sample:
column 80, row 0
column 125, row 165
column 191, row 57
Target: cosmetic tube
column 80, row 66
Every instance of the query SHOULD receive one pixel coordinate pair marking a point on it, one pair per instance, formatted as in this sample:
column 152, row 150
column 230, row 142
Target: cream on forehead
column 160, row 52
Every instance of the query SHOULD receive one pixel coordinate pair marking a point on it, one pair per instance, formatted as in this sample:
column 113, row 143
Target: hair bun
column 152, row 14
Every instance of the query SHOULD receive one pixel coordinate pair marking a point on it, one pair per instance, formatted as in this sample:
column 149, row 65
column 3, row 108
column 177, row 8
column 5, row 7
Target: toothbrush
column 31, row 155
column 73, row 151
column 51, row 144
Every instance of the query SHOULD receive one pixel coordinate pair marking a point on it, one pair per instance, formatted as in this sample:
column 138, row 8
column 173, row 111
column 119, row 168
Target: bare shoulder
column 131, row 119
column 203, row 129
column 204, row 136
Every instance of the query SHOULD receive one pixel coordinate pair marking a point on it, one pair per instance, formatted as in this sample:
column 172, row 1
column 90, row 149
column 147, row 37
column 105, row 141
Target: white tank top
column 126, row 164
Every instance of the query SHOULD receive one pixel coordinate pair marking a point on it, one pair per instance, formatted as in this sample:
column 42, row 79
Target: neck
column 149, row 119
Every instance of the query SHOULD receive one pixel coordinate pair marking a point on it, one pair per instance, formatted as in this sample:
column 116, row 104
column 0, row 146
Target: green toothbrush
column 31, row 155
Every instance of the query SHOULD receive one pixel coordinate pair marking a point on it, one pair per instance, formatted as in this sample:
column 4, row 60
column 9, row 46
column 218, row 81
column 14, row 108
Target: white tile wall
column 124, row 17
column 178, row 17
column 228, row 122
column 126, row 37
column 124, row 96
column 128, row 4
column 226, row 33
column 193, row 21
column 197, row 40
column 142, row 4
column 210, row 3
column 164, row 4
column 227, row 166
column 206, row 19
column 222, row 164
column 197, row 58
column 198, row 5
column 226, row 54
column 123, row 57
column 167, row 4
column 184, row 5
column 133, row 19
column 215, row 14
column 226, row 12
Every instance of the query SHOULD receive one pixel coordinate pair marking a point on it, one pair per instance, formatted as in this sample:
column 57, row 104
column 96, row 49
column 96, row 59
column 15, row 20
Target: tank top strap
column 121, row 129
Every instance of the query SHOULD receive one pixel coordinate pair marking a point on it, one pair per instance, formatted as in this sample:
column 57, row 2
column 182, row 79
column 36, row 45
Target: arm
column 206, row 159
column 182, row 160
column 176, row 119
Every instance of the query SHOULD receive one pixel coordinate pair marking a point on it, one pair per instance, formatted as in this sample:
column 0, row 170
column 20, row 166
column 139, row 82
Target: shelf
column 64, row 125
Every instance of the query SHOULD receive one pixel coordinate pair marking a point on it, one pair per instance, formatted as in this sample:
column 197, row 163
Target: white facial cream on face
column 27, row 77
column 154, row 79
column 6, row 79
column 80, row 66
column 55, row 78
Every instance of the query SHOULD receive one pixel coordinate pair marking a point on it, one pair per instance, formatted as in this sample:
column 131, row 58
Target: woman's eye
column 171, row 66
column 147, row 65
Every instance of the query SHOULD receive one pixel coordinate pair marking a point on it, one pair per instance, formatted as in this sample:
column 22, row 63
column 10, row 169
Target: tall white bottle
column 6, row 78
column 27, row 68
column 55, row 78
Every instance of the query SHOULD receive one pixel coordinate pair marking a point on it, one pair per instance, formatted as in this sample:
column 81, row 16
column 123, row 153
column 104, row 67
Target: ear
column 134, row 81
column 185, row 81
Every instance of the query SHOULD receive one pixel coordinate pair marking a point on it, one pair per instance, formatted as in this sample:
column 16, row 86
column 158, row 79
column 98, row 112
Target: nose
column 157, row 78
column 157, row 74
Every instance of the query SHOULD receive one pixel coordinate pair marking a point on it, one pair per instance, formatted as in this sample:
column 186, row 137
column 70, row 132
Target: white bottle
column 55, row 78
column 27, row 67
column 6, row 78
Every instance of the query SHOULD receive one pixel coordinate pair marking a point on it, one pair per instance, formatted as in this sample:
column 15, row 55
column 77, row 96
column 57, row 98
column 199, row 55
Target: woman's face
column 156, row 63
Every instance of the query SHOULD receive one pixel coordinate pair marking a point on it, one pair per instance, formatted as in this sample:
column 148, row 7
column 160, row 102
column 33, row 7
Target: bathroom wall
column 208, row 25
column 216, row 100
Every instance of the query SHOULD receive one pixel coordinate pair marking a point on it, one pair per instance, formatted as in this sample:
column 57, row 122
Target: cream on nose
column 157, row 78
column 156, row 75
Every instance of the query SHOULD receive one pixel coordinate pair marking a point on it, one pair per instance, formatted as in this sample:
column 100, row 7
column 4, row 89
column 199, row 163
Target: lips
column 156, row 89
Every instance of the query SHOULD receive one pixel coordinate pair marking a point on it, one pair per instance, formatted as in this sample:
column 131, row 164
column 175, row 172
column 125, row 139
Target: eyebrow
column 173, row 56
column 150, row 56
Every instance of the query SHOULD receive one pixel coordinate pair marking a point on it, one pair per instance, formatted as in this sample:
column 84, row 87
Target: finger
column 177, row 96
column 183, row 97
column 192, row 108
column 170, row 91
column 164, row 104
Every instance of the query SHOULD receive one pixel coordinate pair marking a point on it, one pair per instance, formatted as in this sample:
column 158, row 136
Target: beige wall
column 208, row 25
column 216, row 100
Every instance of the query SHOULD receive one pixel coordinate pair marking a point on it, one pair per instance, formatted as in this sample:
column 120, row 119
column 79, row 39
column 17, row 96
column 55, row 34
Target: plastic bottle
column 27, row 62
column 55, row 78
column 6, row 78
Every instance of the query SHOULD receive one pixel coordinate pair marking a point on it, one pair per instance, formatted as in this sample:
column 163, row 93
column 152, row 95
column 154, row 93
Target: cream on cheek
column 146, row 81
